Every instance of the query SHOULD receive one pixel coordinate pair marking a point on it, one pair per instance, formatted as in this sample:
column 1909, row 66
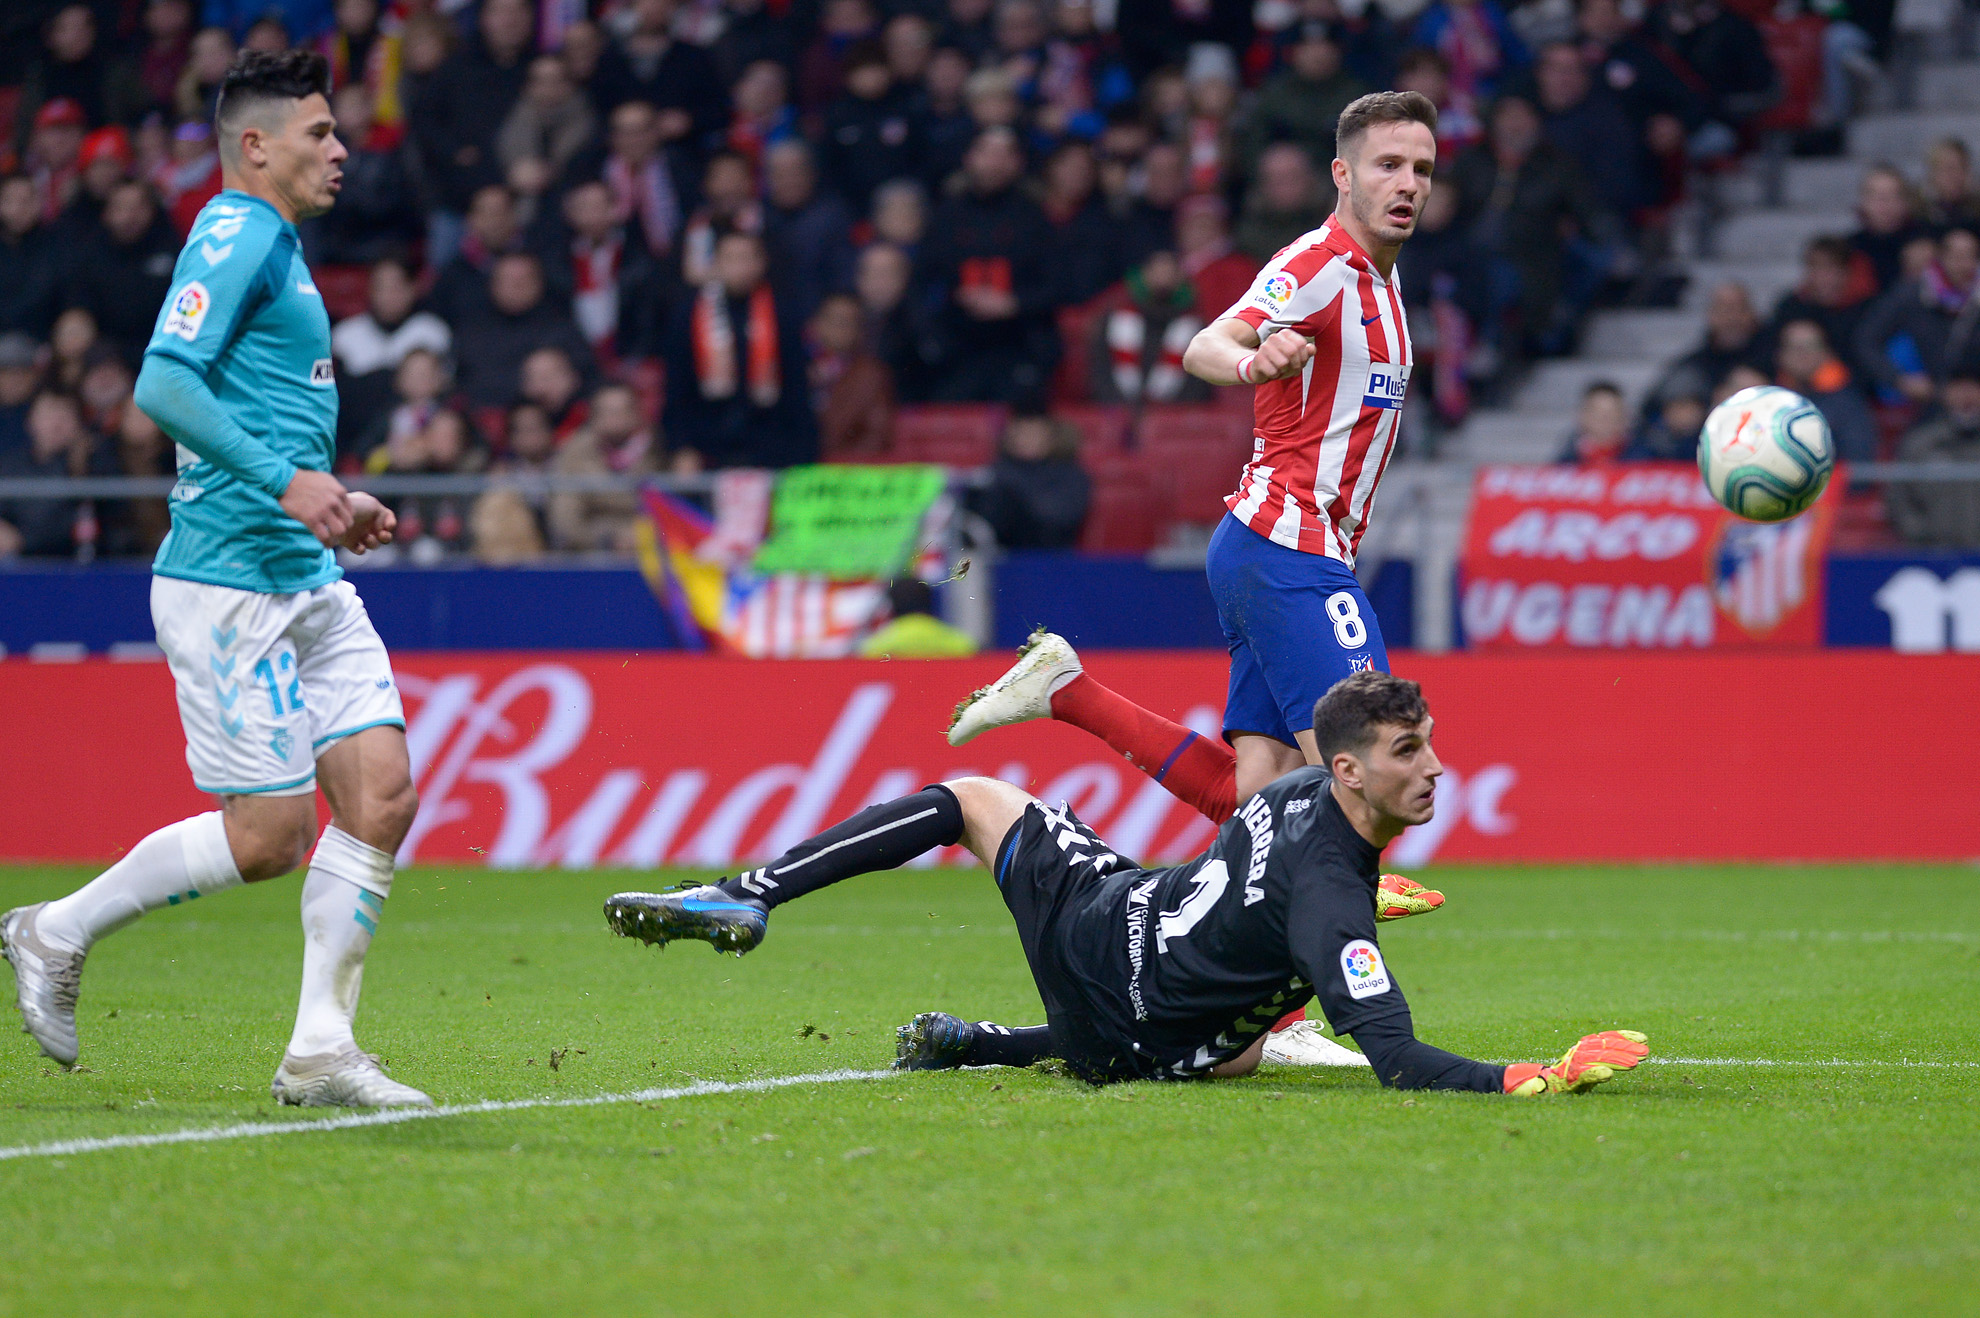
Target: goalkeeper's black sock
column 1006, row 1045
column 880, row 837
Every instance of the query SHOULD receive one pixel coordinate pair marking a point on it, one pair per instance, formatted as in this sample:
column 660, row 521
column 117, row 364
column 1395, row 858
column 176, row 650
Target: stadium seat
column 1103, row 430
column 1070, row 382
column 1127, row 513
column 345, row 288
column 952, row 434
column 1195, row 455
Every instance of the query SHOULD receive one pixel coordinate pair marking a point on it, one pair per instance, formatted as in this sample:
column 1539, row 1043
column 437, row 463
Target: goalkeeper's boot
column 1304, row 1044
column 1397, row 898
column 47, row 979
column 349, row 1077
column 1593, row 1059
column 729, row 924
column 1046, row 662
column 933, row 1041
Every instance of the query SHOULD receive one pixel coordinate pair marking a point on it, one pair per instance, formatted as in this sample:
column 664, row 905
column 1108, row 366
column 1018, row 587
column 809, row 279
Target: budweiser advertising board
column 587, row 760
column 1634, row 557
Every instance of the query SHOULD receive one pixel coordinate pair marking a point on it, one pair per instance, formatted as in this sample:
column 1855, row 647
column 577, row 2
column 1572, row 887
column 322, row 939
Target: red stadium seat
column 1103, row 430
column 952, row 434
column 345, row 288
column 1195, row 453
column 1071, row 382
column 1128, row 511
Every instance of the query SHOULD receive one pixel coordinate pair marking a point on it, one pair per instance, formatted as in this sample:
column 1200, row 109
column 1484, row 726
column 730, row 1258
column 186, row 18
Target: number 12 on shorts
column 265, row 671
column 1345, row 613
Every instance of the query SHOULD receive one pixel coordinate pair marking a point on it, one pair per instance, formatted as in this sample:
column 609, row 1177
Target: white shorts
column 268, row 682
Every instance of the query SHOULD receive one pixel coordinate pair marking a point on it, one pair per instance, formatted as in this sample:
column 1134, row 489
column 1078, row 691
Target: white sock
column 178, row 863
column 342, row 897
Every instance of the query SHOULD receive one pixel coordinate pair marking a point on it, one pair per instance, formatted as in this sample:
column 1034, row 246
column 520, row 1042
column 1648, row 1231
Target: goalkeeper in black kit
column 1178, row 973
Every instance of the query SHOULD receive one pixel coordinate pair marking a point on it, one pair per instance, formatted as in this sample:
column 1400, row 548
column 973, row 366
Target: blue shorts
column 1296, row 623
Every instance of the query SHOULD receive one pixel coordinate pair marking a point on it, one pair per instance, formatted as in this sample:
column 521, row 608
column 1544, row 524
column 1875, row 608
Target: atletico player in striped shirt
column 1323, row 336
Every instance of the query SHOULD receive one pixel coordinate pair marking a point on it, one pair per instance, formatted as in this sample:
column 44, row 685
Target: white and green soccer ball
column 1766, row 453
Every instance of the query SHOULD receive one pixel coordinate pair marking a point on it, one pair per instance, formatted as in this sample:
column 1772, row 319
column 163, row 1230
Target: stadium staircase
column 1766, row 213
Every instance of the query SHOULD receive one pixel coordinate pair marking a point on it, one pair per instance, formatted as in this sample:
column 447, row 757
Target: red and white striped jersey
column 1323, row 437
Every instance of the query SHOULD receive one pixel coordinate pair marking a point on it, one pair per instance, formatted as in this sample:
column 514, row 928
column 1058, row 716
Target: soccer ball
column 1766, row 453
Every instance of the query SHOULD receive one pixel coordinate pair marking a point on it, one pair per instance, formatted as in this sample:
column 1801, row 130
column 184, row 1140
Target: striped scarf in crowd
column 715, row 347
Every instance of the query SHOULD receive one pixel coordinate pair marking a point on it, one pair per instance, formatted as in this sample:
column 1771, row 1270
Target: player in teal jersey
column 282, row 682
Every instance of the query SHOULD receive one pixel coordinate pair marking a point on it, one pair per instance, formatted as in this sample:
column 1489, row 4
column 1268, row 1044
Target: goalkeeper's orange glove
column 1396, row 897
column 1597, row 1057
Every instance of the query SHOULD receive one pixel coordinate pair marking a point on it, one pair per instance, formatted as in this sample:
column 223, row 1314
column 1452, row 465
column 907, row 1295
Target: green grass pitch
column 1686, row 1188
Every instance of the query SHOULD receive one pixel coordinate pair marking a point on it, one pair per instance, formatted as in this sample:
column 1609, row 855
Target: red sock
column 1200, row 771
column 1291, row 1018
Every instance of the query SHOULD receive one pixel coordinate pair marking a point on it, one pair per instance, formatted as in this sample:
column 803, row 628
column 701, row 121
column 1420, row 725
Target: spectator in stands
column 460, row 293
column 1725, row 56
column 909, row 40
column 456, row 114
column 1521, row 198
column 966, row 26
column 1586, row 121
column 20, row 375
column 762, row 113
column 135, row 527
column 105, row 391
column 1286, row 202
column 376, row 211
column 751, row 34
column 897, row 331
column 290, row 21
column 676, row 78
column 728, row 202
column 1300, row 103
column 509, row 524
column 124, row 268
column 1911, row 337
column 1478, row 45
column 912, row 630
column 644, row 175
column 420, row 384
column 615, row 442
column 1601, row 426
column 1138, row 342
column 102, row 162
column 190, row 175
column 808, row 231
column 1732, row 336
column 75, row 66
column 1151, row 223
column 618, row 296
column 1038, row 493
column 900, row 214
column 1950, row 197
column 1665, row 108
column 363, row 52
column 54, row 146
column 198, row 91
column 168, row 28
column 841, row 25
column 1218, row 272
column 268, row 34
column 737, row 395
column 70, row 344
column 443, row 445
column 369, row 346
column 1458, row 125
column 551, row 381
column 1086, row 248
column 30, row 272
column 1672, row 434
column 852, row 390
column 1942, row 514
column 943, row 115
column 869, row 131
column 1209, row 134
column 1887, row 216
column 988, row 251
column 58, row 445
column 549, row 127
column 1807, row 364
column 491, row 347
column 1832, row 293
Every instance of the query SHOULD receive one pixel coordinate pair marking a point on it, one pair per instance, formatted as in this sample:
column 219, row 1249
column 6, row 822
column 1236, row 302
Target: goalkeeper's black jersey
column 1187, row 966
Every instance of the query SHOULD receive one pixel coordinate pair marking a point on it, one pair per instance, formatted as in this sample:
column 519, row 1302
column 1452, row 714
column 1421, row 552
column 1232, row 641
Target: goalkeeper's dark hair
column 259, row 78
column 1358, row 706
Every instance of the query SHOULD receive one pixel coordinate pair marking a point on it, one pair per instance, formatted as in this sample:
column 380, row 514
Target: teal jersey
column 244, row 315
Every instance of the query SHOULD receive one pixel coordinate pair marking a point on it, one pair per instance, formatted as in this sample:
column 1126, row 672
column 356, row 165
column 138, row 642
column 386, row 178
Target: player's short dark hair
column 259, row 76
column 1355, row 708
column 1365, row 112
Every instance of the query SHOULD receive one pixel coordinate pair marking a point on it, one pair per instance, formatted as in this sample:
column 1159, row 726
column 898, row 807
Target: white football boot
column 1303, row 1044
column 350, row 1078
column 1046, row 662
column 46, row 981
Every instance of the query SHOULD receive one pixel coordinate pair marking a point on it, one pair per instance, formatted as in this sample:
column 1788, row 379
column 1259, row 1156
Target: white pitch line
column 398, row 1116
column 1833, row 1061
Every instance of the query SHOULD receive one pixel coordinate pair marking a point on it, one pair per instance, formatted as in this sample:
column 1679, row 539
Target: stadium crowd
column 683, row 235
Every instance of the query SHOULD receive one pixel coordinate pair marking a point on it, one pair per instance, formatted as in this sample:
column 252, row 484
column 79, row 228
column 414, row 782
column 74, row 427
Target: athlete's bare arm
column 1220, row 351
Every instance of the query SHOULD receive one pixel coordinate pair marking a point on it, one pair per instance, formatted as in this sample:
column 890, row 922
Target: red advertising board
column 1633, row 557
column 579, row 760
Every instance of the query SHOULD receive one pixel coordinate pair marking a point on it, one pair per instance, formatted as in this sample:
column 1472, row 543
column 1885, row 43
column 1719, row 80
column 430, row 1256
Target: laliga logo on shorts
column 1761, row 574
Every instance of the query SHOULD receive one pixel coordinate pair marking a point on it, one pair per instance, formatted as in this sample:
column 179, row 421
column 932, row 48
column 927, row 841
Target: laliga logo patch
column 1362, row 968
column 1386, row 386
column 1278, row 290
column 188, row 311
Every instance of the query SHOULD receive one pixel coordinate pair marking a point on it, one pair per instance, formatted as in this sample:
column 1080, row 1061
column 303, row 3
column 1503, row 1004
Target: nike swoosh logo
column 1370, row 320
